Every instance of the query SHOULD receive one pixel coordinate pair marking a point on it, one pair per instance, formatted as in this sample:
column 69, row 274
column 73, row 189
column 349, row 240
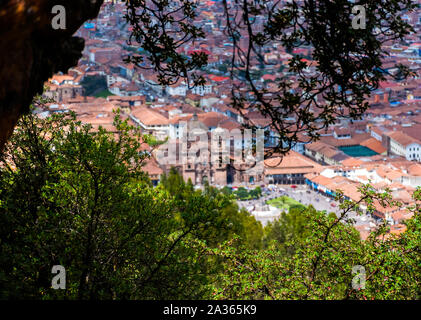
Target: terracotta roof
column 349, row 188
column 392, row 175
column 209, row 119
column 61, row 78
column 402, row 138
column 149, row 117
column 352, row 162
column 402, row 215
column 292, row 162
column 397, row 229
column 327, row 150
column 374, row 145
column 152, row 167
column 415, row 170
column 342, row 131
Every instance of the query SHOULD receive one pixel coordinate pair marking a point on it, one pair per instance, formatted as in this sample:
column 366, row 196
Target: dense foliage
column 285, row 203
column 76, row 197
column 94, row 85
column 243, row 194
column 311, row 255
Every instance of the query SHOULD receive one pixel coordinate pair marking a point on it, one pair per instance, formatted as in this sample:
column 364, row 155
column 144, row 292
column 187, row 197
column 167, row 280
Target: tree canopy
column 77, row 197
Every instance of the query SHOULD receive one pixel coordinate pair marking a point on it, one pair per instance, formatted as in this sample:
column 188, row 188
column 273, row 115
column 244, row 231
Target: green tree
column 227, row 219
column 226, row 190
column 242, row 193
column 78, row 198
column 256, row 193
column 94, row 85
column 290, row 227
column 322, row 262
column 174, row 182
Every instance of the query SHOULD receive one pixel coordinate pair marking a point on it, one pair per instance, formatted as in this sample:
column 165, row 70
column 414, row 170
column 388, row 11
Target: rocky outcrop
column 31, row 51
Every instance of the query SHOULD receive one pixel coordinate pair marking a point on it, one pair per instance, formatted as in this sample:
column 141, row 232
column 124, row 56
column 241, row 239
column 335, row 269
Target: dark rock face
column 31, row 51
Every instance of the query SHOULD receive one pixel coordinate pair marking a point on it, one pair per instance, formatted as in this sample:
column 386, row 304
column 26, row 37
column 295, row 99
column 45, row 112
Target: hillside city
column 383, row 148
